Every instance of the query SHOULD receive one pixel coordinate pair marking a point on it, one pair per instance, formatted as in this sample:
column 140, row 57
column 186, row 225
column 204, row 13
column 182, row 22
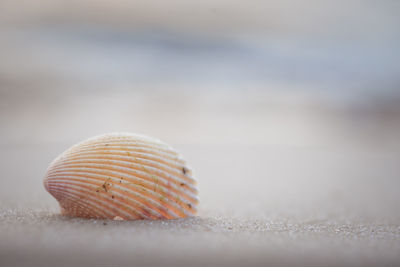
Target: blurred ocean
column 294, row 63
column 226, row 45
column 94, row 55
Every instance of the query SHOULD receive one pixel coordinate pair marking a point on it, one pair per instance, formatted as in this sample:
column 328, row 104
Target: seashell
column 122, row 176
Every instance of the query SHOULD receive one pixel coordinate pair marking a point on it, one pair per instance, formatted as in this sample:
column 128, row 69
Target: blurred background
column 285, row 109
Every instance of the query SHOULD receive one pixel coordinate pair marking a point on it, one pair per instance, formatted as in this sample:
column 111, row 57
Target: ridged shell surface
column 122, row 176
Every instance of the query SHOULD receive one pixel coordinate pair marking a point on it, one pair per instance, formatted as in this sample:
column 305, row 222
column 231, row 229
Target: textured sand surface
column 43, row 239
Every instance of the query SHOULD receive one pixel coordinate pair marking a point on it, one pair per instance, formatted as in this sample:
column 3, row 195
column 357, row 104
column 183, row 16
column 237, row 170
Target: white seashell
column 123, row 176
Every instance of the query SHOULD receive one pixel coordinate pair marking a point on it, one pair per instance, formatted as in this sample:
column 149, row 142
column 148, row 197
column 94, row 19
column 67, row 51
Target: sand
column 45, row 239
column 299, row 198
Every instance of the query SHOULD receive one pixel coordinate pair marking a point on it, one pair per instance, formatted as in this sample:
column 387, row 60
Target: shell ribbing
column 122, row 175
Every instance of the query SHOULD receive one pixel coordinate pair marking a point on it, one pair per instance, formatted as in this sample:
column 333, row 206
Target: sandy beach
column 303, row 196
column 291, row 125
